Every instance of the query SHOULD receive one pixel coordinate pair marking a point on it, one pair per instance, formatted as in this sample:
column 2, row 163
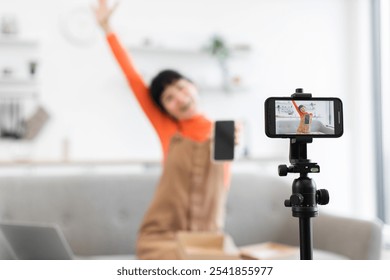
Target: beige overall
column 189, row 197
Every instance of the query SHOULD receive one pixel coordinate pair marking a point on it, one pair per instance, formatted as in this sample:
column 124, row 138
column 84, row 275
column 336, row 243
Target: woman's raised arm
column 103, row 14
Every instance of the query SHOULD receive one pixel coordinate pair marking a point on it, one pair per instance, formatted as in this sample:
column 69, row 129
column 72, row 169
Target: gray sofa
column 100, row 214
column 290, row 125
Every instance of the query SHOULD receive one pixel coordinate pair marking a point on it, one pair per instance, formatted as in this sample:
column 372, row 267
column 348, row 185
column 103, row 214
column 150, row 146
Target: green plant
column 218, row 48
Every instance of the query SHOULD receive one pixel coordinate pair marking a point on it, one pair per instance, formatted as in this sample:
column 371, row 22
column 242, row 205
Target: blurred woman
column 306, row 118
column 191, row 193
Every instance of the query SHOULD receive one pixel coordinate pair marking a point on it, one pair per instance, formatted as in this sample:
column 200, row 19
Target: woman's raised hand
column 103, row 14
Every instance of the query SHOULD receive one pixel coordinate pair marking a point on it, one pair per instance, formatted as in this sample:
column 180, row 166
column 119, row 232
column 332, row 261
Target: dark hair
column 160, row 82
column 301, row 106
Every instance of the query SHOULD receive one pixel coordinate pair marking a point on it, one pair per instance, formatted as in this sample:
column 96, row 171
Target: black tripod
column 305, row 196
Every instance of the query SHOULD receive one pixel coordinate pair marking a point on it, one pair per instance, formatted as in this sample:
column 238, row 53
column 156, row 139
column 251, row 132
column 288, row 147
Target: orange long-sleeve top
column 299, row 111
column 198, row 128
column 297, row 108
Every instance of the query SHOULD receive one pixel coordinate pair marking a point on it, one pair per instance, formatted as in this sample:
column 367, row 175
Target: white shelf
column 19, row 88
column 211, row 90
column 13, row 93
column 190, row 55
column 17, row 82
column 182, row 51
column 15, row 41
column 166, row 51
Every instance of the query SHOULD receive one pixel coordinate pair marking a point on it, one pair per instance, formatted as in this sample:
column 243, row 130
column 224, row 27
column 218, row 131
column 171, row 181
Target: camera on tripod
column 302, row 118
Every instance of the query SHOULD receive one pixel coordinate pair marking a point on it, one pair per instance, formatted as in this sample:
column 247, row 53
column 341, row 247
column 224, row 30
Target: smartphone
column 223, row 144
column 287, row 117
column 307, row 119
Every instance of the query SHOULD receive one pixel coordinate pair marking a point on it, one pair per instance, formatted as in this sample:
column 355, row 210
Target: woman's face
column 179, row 99
column 303, row 109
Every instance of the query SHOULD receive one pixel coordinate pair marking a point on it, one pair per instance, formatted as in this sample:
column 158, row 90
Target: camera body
column 303, row 116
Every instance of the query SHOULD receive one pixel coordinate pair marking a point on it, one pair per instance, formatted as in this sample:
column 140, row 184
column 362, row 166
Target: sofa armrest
column 6, row 252
column 355, row 238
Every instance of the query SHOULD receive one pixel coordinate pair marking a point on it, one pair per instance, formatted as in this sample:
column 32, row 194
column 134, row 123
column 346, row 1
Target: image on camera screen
column 304, row 117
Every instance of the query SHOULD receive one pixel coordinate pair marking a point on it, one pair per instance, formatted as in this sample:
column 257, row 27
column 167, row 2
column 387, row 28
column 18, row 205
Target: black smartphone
column 307, row 119
column 287, row 117
column 223, row 144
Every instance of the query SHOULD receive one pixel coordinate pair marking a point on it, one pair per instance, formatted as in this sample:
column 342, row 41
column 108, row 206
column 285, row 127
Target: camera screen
column 308, row 117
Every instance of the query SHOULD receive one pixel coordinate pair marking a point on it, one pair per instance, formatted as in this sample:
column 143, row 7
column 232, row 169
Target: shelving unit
column 19, row 60
column 19, row 85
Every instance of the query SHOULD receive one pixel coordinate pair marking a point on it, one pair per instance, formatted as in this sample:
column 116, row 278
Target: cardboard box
column 206, row 246
column 269, row 251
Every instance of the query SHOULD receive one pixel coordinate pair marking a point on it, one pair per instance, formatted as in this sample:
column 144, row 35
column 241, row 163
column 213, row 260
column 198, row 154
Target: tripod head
column 305, row 196
column 298, row 158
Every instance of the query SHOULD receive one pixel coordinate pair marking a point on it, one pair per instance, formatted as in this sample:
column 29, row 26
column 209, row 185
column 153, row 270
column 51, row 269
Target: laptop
column 36, row 241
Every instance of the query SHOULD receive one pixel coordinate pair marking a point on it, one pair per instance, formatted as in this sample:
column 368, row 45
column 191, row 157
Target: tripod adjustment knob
column 296, row 199
column 322, row 196
column 283, row 170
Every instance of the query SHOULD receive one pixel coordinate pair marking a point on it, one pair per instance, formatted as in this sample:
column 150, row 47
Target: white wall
column 320, row 45
column 385, row 45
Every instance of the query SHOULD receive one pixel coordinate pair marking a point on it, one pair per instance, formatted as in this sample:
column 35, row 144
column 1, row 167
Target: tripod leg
column 305, row 238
